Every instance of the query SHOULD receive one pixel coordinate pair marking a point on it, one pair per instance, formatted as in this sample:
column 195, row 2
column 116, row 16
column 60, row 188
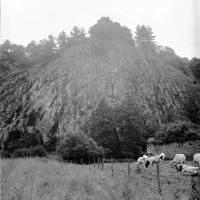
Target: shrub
column 19, row 140
column 179, row 132
column 38, row 151
column 76, row 146
column 23, row 152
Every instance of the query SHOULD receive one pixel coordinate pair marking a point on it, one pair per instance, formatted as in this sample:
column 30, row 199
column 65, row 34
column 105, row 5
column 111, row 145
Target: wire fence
column 161, row 183
column 156, row 182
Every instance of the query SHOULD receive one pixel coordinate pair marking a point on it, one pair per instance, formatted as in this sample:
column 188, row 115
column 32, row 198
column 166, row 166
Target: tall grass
column 37, row 179
column 25, row 179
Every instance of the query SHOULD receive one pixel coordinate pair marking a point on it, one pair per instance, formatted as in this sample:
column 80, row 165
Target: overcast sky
column 174, row 22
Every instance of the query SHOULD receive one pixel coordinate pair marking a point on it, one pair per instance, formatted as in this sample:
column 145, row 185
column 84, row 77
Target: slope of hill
column 62, row 94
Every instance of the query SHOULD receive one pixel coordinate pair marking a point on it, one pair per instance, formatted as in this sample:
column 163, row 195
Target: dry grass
column 37, row 179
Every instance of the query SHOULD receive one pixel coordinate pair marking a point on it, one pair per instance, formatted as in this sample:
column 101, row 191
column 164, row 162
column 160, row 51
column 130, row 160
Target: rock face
column 61, row 95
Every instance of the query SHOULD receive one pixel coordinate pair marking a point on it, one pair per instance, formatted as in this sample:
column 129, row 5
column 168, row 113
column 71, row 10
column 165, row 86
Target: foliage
column 179, row 132
column 36, row 151
column 144, row 37
column 168, row 55
column 22, row 152
column 51, row 144
column 19, row 140
column 107, row 30
column 120, row 130
column 77, row 146
column 43, row 52
column 77, row 36
column 12, row 57
column 191, row 107
column 13, row 54
column 194, row 65
column 62, row 41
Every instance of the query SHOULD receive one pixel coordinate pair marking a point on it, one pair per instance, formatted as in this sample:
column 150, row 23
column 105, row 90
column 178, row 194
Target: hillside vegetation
column 111, row 86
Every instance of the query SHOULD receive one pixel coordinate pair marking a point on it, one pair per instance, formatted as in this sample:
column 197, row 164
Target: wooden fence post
column 112, row 168
column 158, row 178
column 81, row 161
column 98, row 162
column 129, row 168
column 89, row 161
column 94, row 162
column 102, row 164
column 2, row 180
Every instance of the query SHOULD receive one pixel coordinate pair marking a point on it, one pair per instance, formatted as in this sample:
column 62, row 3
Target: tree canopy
column 119, row 130
column 107, row 30
column 194, row 65
column 145, row 38
column 179, row 131
column 78, row 145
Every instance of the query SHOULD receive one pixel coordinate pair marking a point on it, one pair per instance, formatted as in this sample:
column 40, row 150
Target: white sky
column 174, row 22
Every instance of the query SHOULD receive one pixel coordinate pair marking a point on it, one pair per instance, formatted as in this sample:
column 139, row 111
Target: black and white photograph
column 99, row 99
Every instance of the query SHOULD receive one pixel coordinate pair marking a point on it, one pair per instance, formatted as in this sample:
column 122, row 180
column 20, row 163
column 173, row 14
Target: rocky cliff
column 62, row 94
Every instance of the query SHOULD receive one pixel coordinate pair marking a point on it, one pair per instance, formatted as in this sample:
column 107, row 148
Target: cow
column 196, row 158
column 178, row 159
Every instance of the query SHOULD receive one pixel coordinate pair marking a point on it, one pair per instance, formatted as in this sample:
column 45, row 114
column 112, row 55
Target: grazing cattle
column 187, row 168
column 153, row 159
column 196, row 158
column 151, row 154
column 143, row 160
column 179, row 167
column 162, row 156
column 145, row 157
column 178, row 159
column 191, row 169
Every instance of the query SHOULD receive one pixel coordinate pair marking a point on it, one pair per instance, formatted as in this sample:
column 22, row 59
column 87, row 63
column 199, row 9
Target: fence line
column 192, row 182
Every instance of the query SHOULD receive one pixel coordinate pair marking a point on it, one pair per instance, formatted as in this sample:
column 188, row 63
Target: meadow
column 45, row 179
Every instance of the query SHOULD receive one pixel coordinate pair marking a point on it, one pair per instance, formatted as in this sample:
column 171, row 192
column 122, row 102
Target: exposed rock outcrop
column 62, row 94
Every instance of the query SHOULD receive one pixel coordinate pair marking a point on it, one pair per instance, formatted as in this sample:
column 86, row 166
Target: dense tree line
column 119, row 130
column 15, row 57
column 77, row 147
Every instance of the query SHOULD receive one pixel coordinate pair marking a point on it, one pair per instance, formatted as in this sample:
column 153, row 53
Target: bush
column 180, row 131
column 36, row 151
column 23, row 152
column 19, row 140
column 76, row 146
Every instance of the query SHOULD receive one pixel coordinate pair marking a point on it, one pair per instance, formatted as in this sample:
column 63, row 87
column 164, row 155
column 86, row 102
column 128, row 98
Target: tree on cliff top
column 194, row 65
column 107, row 30
column 145, row 38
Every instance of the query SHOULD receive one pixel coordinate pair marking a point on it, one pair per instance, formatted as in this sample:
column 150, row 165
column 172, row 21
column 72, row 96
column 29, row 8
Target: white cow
column 145, row 157
column 196, row 158
column 187, row 168
column 178, row 159
column 143, row 160
column 153, row 159
column 162, row 156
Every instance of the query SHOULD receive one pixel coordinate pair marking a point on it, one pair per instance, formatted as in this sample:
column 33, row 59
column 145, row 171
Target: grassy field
column 39, row 179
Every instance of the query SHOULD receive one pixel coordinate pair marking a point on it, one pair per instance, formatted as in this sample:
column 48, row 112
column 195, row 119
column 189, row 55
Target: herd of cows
column 178, row 162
